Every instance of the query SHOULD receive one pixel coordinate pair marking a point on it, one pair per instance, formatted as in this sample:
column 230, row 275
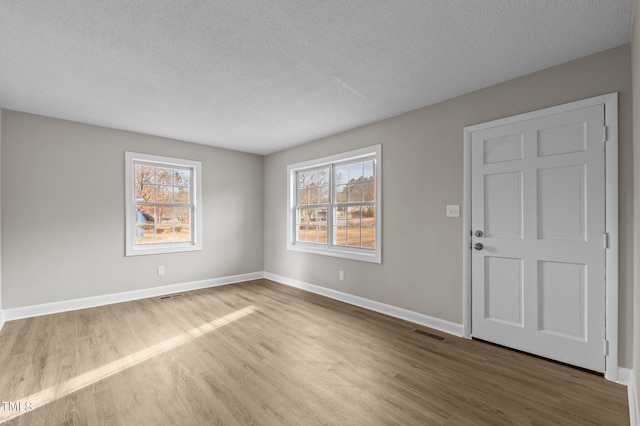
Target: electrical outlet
column 453, row 210
column 341, row 275
column 160, row 270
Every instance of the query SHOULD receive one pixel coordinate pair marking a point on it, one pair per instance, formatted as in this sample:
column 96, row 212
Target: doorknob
column 478, row 246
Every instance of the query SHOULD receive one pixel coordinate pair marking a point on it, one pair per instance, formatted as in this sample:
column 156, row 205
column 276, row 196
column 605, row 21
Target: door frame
column 610, row 102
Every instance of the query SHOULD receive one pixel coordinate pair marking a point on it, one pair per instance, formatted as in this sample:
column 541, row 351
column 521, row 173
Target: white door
column 538, row 224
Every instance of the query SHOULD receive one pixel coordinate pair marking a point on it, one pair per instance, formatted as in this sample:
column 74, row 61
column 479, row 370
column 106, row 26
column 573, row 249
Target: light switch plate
column 453, row 210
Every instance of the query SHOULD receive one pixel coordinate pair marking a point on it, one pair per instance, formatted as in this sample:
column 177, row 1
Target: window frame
column 133, row 249
column 329, row 249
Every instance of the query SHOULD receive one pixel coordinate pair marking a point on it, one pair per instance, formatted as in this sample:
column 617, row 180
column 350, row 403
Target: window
column 163, row 213
column 334, row 205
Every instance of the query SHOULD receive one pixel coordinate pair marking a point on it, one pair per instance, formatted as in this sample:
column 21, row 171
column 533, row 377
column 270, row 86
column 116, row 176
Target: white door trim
column 610, row 102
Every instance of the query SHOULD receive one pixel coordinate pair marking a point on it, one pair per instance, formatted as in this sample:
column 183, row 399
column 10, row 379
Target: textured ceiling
column 260, row 76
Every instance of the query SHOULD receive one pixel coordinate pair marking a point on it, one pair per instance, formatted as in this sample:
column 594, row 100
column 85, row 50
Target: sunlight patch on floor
column 46, row 396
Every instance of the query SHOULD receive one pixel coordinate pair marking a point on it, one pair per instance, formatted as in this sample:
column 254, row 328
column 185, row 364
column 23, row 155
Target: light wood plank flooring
column 261, row 353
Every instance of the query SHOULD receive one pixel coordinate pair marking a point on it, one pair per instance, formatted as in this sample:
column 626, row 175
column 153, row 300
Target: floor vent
column 426, row 333
column 171, row 296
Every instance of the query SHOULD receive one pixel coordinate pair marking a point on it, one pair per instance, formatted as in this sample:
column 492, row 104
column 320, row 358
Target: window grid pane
column 354, row 182
column 346, row 186
column 352, row 204
column 311, row 225
column 312, row 197
column 354, row 198
column 163, row 204
column 354, row 226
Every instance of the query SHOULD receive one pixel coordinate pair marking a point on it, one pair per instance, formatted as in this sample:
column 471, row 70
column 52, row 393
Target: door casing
column 610, row 102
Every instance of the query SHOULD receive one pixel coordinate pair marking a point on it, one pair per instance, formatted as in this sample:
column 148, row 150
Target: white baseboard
column 1, row 319
column 624, row 376
column 107, row 299
column 383, row 308
column 632, row 390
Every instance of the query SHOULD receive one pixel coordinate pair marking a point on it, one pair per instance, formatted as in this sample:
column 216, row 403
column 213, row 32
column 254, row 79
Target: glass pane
column 181, row 195
column 303, row 233
column 355, row 193
column 308, row 223
column 369, row 237
column 164, row 176
column 303, row 197
column 321, row 217
column 341, row 175
column 323, row 177
column 368, row 216
column 342, row 194
column 318, row 177
column 353, row 236
column 354, row 222
column 182, row 216
column 340, row 235
column 312, row 233
column 312, row 187
column 164, row 215
column 303, row 180
column 182, row 233
column 313, row 195
column 320, row 222
column 144, row 193
column 297, row 226
column 145, row 229
column 181, row 220
column 340, row 226
column 308, row 196
column 368, row 169
column 369, row 227
column 353, row 216
column 182, row 177
column 164, row 194
column 323, row 195
column 144, row 174
column 312, row 216
column 340, row 216
column 164, row 228
column 354, row 175
column 313, row 178
column 356, row 171
column 304, row 215
column 322, row 234
column 369, row 190
column 311, row 225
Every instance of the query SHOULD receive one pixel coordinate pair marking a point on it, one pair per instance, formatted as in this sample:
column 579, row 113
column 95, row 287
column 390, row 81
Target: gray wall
column 1, row 306
column 63, row 212
column 423, row 172
column 635, row 66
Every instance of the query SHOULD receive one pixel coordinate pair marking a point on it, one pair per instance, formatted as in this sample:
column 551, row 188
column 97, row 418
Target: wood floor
column 261, row 353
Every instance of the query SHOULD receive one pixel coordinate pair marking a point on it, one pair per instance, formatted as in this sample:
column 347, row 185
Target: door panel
column 562, row 298
column 537, row 195
column 503, row 205
column 561, row 203
column 561, row 140
column 503, row 292
column 507, row 148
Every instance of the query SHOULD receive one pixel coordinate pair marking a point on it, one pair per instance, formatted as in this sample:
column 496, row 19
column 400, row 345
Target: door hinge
column 604, row 134
column 605, row 240
column 605, row 347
